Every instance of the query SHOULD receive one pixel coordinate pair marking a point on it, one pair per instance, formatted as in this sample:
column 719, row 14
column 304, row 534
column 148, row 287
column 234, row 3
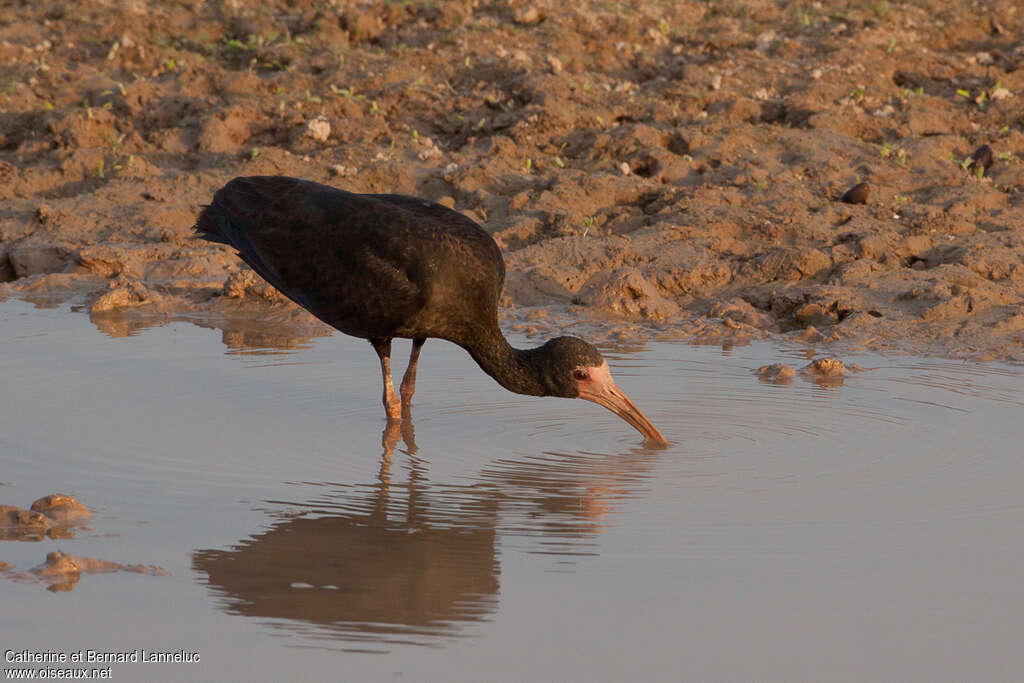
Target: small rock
column 246, row 283
column 826, row 366
column 319, row 129
column 527, row 15
column 765, row 40
column 11, row 516
column 624, row 167
column 58, row 563
column 61, row 507
column 124, row 293
column 858, row 194
column 555, row 63
column 777, row 373
column 814, row 314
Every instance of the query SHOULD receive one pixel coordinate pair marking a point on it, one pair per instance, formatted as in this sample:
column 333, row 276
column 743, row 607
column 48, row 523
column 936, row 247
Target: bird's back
column 370, row 265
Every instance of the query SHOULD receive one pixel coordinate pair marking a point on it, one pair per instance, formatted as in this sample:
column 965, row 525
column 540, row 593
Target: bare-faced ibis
column 380, row 266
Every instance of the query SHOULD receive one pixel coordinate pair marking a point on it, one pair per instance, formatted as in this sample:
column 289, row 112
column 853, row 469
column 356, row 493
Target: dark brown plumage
column 380, row 266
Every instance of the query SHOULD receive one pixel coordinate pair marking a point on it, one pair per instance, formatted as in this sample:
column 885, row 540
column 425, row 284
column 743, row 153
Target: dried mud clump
column 643, row 167
column 18, row 519
column 828, row 371
column 61, row 572
column 61, row 507
column 776, row 373
column 55, row 516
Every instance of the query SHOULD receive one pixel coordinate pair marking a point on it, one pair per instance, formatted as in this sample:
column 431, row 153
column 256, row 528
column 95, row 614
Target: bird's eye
column 580, row 374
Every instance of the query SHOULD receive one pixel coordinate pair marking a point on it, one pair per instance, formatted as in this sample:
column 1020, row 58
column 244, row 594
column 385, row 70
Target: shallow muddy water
column 866, row 531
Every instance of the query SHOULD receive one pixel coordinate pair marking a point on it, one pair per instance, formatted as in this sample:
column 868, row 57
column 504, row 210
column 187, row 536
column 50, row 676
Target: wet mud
column 57, row 516
column 832, row 173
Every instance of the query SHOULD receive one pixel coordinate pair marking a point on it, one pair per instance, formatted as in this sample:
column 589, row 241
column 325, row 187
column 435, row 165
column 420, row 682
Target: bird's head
column 575, row 369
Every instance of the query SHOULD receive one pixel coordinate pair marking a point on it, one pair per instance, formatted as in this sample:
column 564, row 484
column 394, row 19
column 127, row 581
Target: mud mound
column 677, row 164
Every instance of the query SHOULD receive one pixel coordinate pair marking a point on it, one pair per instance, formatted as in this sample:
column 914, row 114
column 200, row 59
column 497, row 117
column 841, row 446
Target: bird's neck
column 512, row 368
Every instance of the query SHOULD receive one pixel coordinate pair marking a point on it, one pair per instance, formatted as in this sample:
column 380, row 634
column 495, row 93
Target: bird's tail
column 211, row 224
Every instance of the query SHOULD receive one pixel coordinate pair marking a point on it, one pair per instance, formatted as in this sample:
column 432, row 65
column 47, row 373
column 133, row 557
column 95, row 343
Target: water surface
column 868, row 531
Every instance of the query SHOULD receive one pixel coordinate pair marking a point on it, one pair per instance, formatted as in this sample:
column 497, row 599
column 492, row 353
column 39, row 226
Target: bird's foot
column 394, row 411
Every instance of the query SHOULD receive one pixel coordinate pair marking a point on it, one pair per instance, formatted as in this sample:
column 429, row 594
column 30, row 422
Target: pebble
column 858, row 194
column 779, row 373
column 319, row 129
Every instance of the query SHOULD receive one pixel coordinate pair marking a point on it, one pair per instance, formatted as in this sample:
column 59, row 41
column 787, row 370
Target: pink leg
column 392, row 405
column 409, row 379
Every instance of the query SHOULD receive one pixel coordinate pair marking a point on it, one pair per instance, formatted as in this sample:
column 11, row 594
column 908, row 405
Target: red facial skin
column 596, row 384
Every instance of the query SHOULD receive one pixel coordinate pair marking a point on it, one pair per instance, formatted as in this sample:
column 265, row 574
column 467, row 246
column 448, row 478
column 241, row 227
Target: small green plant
column 529, row 165
column 857, row 94
column 891, row 151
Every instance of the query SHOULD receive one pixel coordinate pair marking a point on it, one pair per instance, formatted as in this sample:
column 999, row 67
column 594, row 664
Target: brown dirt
column 668, row 168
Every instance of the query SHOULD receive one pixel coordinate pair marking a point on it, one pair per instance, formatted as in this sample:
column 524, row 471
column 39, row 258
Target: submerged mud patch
column 56, row 516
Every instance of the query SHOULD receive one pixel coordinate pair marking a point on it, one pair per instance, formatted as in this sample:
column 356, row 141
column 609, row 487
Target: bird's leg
column 409, row 379
column 392, row 405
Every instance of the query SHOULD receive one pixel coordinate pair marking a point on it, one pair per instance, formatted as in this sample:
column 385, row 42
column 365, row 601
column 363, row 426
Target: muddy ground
column 662, row 168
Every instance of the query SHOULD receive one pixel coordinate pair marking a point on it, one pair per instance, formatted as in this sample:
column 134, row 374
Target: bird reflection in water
column 366, row 574
column 414, row 561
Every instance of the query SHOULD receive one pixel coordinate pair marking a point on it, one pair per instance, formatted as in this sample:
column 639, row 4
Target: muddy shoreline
column 661, row 170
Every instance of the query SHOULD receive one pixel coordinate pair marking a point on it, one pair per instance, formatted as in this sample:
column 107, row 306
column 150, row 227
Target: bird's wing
column 342, row 256
column 454, row 224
